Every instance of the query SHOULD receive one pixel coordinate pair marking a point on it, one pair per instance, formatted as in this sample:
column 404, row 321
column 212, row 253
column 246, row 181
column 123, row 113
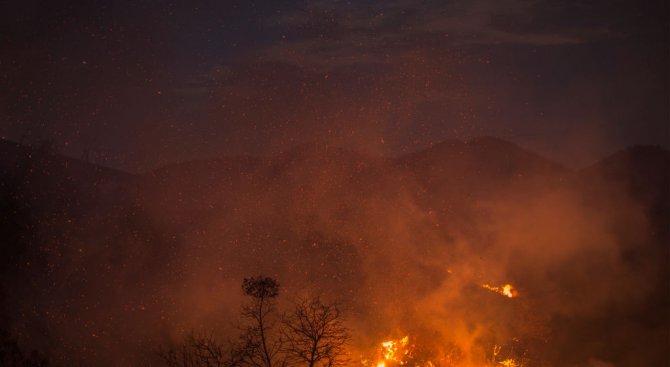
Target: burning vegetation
column 409, row 351
column 506, row 290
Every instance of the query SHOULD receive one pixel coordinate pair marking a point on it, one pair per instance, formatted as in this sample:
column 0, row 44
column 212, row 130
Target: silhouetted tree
column 314, row 334
column 261, row 341
column 202, row 351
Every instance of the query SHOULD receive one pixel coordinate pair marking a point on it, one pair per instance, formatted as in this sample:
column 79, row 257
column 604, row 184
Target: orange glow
column 509, row 363
column 506, row 290
column 394, row 350
column 403, row 352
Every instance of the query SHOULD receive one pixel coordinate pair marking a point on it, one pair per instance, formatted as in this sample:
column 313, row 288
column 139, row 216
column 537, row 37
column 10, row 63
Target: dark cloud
column 114, row 77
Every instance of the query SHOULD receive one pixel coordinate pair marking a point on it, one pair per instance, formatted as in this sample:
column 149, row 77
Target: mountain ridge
column 11, row 152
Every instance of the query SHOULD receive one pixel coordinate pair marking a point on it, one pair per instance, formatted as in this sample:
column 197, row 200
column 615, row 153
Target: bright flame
column 403, row 353
column 506, row 290
column 509, row 363
column 394, row 350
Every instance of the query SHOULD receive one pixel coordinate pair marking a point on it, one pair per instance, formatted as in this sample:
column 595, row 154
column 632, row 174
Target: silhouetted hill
column 641, row 173
column 15, row 159
column 486, row 156
column 41, row 183
column 644, row 169
column 644, row 173
column 453, row 171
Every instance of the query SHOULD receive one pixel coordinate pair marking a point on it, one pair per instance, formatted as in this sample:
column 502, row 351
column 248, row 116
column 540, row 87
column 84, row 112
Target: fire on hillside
column 417, row 351
column 407, row 351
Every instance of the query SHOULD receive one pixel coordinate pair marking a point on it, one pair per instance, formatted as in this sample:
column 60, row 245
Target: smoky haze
column 103, row 267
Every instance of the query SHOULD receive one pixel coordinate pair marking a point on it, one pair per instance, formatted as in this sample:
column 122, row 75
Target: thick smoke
column 406, row 244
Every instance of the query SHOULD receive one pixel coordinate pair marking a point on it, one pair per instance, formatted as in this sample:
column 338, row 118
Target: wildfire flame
column 403, row 353
column 506, row 290
column 509, row 363
column 395, row 351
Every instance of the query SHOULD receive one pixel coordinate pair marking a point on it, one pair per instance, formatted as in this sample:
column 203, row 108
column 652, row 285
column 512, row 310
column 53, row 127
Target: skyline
column 142, row 85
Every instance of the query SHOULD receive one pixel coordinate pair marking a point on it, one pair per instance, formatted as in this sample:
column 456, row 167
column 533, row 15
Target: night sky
column 139, row 84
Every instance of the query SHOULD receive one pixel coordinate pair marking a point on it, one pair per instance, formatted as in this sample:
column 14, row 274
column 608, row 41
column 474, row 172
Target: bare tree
column 258, row 346
column 203, row 351
column 261, row 340
column 314, row 334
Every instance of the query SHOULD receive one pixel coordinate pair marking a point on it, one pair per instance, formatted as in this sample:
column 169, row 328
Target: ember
column 506, row 290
